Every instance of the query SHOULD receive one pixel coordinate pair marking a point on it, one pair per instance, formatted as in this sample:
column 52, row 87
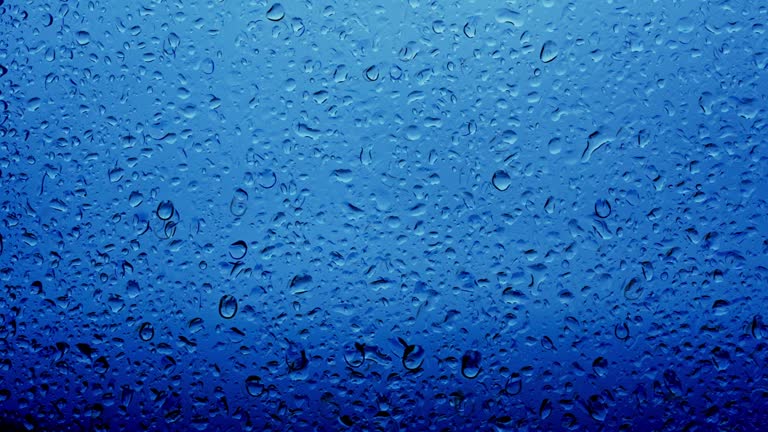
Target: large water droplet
column 227, row 306
column 501, row 180
column 253, row 385
column 600, row 366
column 239, row 204
column 602, row 208
column 276, row 12
column 238, row 249
column 165, row 210
column 549, row 52
column 146, row 332
column 83, row 38
column 470, row 364
column 354, row 355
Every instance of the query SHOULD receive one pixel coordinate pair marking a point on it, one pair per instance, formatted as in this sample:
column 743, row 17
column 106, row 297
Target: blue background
column 318, row 215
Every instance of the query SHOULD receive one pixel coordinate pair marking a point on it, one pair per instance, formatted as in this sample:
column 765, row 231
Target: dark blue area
column 395, row 216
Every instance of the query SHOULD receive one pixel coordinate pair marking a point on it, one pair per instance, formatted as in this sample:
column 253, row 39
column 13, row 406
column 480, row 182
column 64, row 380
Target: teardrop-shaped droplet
column 371, row 73
column 549, row 52
column 602, row 208
column 165, row 210
column 514, row 385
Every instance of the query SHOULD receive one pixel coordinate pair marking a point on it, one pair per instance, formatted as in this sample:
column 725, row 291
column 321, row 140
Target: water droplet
column 395, row 72
column 354, row 355
column 165, row 210
column 549, row 52
column 514, row 385
column 547, row 344
column 545, row 409
column 253, row 385
column 83, row 38
column 600, row 366
column 412, row 133
column 276, row 12
column 413, row 355
column 101, row 365
column 501, row 180
column 146, row 332
column 371, row 73
column 227, row 306
column 470, row 30
column 507, row 16
column 238, row 249
column 239, row 204
column 470, row 364
column 621, row 331
column 602, row 208
column 633, row 289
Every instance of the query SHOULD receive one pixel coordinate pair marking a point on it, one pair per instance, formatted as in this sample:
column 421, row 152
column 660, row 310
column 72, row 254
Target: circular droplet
column 470, row 364
column 165, row 210
column 276, row 12
column 83, row 38
column 238, row 249
column 600, row 366
column 146, row 332
column 267, row 179
column 372, row 73
column 227, row 306
column 602, row 208
column 253, row 385
column 549, row 52
column 501, row 180
column 412, row 133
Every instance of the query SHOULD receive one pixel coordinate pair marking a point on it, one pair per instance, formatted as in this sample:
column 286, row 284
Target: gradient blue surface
column 383, row 216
